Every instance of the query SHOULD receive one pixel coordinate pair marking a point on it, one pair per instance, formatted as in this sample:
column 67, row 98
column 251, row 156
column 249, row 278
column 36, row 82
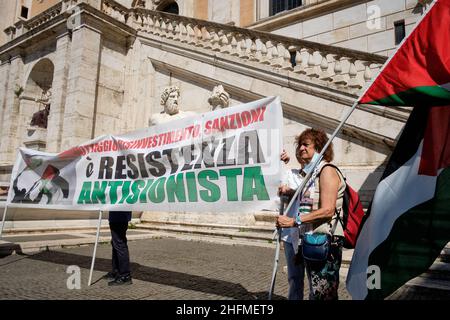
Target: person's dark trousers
column 120, row 254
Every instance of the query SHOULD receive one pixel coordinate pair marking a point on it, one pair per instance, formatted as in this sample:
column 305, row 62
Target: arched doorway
column 169, row 7
column 35, row 102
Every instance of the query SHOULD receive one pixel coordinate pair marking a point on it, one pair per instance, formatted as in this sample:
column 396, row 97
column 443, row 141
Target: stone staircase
column 434, row 282
column 258, row 235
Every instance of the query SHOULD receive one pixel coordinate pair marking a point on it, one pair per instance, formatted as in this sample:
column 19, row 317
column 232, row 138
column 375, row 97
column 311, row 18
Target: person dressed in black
column 118, row 224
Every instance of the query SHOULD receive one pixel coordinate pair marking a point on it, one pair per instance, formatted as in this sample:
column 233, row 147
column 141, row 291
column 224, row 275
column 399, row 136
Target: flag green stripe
column 414, row 242
column 426, row 95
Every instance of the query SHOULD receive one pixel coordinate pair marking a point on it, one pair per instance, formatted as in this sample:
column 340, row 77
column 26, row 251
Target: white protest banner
column 226, row 160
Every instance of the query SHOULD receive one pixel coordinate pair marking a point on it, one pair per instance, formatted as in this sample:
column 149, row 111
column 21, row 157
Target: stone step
column 445, row 254
column 257, row 228
column 420, row 292
column 220, row 240
column 263, row 234
column 212, row 233
column 439, row 271
column 430, row 282
column 433, row 284
column 36, row 242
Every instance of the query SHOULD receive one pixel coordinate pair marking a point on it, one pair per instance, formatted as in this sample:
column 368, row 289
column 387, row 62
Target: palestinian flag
column 409, row 220
column 419, row 73
column 408, row 223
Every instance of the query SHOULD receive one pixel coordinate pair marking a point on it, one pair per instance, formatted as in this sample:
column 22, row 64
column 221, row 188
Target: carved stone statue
column 40, row 118
column 46, row 97
column 169, row 99
column 219, row 98
column 147, row 4
column 138, row 4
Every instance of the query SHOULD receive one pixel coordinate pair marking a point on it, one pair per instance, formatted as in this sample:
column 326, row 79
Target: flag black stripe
column 415, row 241
column 409, row 140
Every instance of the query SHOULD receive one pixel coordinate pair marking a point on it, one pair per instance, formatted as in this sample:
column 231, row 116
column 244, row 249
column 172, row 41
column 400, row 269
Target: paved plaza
column 162, row 268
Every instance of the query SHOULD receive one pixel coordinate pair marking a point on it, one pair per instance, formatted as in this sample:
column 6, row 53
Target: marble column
column 59, row 92
column 81, row 99
column 10, row 140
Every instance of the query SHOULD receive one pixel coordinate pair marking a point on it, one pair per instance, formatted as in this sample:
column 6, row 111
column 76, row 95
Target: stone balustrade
column 344, row 68
column 44, row 17
column 68, row 4
column 22, row 26
column 115, row 10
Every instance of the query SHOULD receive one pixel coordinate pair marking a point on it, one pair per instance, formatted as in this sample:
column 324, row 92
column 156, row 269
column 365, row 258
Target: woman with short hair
column 317, row 213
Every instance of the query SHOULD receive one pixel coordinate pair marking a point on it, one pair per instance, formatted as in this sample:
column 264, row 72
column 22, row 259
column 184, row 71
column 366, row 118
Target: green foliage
column 18, row 91
column 132, row 226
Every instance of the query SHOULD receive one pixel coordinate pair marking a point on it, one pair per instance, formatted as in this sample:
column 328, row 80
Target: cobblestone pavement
column 166, row 269
column 163, row 269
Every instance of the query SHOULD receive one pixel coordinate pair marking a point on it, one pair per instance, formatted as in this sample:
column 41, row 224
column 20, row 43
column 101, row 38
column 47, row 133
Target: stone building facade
column 107, row 62
column 372, row 26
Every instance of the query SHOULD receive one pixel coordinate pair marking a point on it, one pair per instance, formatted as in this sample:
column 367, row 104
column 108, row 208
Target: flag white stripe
column 396, row 194
column 445, row 86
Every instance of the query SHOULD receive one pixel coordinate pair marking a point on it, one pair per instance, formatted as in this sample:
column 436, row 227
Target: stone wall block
column 82, row 87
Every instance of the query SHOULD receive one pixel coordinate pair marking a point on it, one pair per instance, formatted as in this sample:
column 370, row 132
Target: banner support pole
column 95, row 246
column 277, row 251
column 3, row 220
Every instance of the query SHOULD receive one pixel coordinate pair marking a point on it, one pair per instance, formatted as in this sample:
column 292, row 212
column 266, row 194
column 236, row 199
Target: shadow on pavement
column 159, row 276
column 7, row 249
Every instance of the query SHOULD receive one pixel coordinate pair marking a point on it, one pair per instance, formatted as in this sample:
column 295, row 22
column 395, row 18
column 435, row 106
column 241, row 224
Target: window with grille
column 277, row 6
column 170, row 8
column 24, row 12
column 399, row 27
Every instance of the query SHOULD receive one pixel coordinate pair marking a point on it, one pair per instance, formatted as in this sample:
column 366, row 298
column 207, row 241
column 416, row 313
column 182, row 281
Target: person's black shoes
column 116, row 280
column 121, row 280
column 110, row 276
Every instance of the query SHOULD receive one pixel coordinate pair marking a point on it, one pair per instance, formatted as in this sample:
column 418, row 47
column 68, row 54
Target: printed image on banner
column 225, row 160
